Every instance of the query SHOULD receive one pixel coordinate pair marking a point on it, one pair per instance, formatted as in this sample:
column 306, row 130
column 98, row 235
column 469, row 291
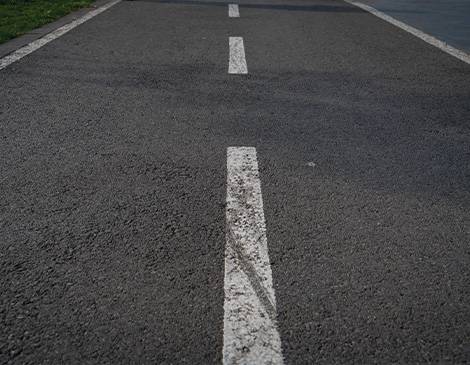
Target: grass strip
column 21, row 16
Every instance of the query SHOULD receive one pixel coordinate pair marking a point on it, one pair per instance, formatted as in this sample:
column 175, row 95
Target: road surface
column 113, row 165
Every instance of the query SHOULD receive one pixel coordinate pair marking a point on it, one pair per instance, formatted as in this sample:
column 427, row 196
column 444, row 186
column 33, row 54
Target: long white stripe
column 425, row 37
column 33, row 46
column 237, row 62
column 233, row 11
column 250, row 327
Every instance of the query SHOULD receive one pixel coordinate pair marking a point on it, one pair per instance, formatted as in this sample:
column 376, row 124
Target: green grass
column 21, row 16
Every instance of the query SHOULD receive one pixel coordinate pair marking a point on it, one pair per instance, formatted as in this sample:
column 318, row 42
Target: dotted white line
column 250, row 326
column 237, row 62
column 233, row 11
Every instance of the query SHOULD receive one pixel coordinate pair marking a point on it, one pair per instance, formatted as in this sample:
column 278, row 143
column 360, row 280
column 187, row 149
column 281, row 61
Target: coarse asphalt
column 113, row 183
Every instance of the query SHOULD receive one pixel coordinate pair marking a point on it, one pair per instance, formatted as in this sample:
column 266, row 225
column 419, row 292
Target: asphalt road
column 113, row 186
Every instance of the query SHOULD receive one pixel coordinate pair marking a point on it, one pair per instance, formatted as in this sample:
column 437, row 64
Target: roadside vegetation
column 21, row 16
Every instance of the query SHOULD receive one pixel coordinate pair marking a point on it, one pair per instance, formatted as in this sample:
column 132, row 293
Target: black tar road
column 113, row 146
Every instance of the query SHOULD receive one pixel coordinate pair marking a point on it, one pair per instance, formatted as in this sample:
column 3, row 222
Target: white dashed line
column 33, row 46
column 250, row 326
column 425, row 37
column 233, row 11
column 237, row 62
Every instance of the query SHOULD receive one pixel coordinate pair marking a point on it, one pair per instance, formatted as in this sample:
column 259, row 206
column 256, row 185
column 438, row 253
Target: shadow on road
column 313, row 8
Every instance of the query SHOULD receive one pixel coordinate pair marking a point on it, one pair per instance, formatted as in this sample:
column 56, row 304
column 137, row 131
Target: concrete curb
column 18, row 42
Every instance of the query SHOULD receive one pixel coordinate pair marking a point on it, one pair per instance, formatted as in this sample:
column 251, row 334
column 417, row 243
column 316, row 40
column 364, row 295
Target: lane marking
column 237, row 63
column 425, row 37
column 33, row 46
column 233, row 11
column 250, row 326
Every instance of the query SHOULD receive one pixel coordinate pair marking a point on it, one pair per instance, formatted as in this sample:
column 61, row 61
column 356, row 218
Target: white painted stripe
column 250, row 326
column 233, row 11
column 33, row 46
column 425, row 37
column 237, row 63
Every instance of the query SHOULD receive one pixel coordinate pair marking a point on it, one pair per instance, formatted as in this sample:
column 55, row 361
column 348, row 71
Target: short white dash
column 33, row 46
column 237, row 62
column 417, row 33
column 250, row 327
column 233, row 11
